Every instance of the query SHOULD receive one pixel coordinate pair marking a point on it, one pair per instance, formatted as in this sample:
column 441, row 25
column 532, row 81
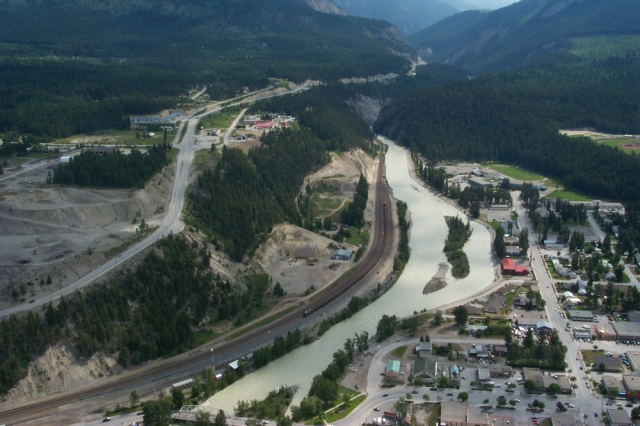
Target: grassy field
column 399, row 352
column 220, row 120
column 569, row 195
column 358, row 236
column 514, row 172
column 339, row 412
column 324, row 205
column 619, row 143
column 589, row 356
column 602, row 47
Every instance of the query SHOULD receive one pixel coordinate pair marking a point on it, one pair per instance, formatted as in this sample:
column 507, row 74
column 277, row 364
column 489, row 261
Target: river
column 428, row 233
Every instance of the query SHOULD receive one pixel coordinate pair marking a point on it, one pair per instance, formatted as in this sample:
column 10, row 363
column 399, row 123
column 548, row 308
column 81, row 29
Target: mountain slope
column 527, row 31
column 409, row 16
column 76, row 66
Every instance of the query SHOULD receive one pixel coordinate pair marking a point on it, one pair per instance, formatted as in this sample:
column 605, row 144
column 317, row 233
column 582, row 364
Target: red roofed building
column 510, row 268
column 264, row 124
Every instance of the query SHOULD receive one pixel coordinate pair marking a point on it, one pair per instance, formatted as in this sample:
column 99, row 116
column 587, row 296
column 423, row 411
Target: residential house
column 424, row 349
column 392, row 372
column 425, row 371
column 494, row 304
column 508, row 288
column 474, row 310
column 473, row 329
column 521, row 300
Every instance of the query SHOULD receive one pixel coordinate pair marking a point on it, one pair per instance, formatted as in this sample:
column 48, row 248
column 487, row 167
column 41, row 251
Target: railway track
column 38, row 408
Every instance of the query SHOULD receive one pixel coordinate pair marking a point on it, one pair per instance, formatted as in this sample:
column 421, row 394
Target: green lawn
column 117, row 137
column 569, row 195
column 220, row 120
column 619, row 143
column 514, row 172
column 589, row 356
column 399, row 352
column 341, row 414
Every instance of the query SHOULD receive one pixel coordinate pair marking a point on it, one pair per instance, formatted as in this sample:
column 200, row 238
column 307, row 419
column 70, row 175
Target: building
column 632, row 316
column 425, row 371
column 565, row 418
column 392, row 372
column 610, row 382
column 499, row 207
column 562, row 381
column 631, row 385
column 100, row 150
column 453, row 413
column 473, row 329
column 581, row 333
column 521, row 300
column 500, row 351
column 424, row 349
column 506, row 289
column 619, row 417
column 483, row 376
column 510, row 268
column 543, row 327
column 605, row 332
column 580, row 315
column 454, row 373
column 494, row 304
column 496, row 370
column 627, row 330
column 342, row 255
column 474, row 309
column 479, row 182
column 634, row 360
column 534, row 375
column 553, row 245
column 611, row 363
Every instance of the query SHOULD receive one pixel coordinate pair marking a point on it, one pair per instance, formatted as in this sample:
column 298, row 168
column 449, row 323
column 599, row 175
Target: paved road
column 171, row 222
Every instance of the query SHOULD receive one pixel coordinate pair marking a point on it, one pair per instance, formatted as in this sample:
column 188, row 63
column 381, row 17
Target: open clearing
column 114, row 137
column 568, row 195
column 514, row 172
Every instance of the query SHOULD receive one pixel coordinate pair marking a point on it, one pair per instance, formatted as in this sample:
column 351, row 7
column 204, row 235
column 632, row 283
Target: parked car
column 376, row 409
column 415, row 391
column 434, row 389
column 384, row 395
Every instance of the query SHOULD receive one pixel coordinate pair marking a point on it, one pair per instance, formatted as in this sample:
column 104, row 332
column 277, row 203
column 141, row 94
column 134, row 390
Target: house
column 392, row 372
column 521, row 300
column 478, row 352
column 424, row 349
column 494, row 304
column 425, row 371
column 619, row 417
column 342, row 255
column 500, row 351
column 474, row 309
column 580, row 315
column 582, row 286
column 473, row 329
column 508, row 288
column 611, row 363
column 496, row 370
column 567, row 295
column 510, row 268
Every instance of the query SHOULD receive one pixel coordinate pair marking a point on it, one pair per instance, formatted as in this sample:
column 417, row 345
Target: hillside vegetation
column 514, row 117
column 75, row 66
column 530, row 32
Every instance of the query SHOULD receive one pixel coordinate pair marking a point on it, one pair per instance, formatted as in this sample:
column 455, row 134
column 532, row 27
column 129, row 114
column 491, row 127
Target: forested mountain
column 73, row 66
column 150, row 311
column 531, row 31
column 409, row 16
column 514, row 117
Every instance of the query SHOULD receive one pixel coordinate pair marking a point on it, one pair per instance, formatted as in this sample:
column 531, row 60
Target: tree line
column 514, row 117
column 354, row 214
column 112, row 169
column 459, row 234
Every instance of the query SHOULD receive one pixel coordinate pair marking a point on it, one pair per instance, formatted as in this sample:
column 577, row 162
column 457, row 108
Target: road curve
column 164, row 373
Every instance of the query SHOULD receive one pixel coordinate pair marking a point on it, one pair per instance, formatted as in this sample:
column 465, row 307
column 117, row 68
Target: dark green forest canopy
column 71, row 66
column 112, row 170
column 515, row 117
column 148, row 312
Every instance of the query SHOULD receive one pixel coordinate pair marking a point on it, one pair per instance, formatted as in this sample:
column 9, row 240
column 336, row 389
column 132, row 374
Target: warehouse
column 627, row 331
column 342, row 255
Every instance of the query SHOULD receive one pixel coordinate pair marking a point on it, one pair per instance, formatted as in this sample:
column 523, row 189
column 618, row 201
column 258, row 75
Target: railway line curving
column 17, row 413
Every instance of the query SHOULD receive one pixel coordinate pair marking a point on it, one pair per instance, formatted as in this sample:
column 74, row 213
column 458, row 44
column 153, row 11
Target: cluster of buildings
column 274, row 121
column 546, row 382
column 145, row 120
column 457, row 414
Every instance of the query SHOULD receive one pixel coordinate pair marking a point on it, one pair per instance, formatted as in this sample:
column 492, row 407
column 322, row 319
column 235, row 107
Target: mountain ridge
column 523, row 32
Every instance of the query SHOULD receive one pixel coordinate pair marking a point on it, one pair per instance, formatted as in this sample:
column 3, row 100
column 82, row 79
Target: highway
column 161, row 374
column 171, row 222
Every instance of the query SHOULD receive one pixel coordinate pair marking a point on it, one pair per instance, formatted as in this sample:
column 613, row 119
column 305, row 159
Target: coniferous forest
column 515, row 117
column 132, row 315
column 112, row 170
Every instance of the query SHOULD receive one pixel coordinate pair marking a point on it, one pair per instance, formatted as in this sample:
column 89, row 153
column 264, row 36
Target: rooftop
column 610, row 362
column 393, row 365
column 533, row 374
column 627, row 328
column 631, row 382
column 453, row 412
column 610, row 381
column 619, row 417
